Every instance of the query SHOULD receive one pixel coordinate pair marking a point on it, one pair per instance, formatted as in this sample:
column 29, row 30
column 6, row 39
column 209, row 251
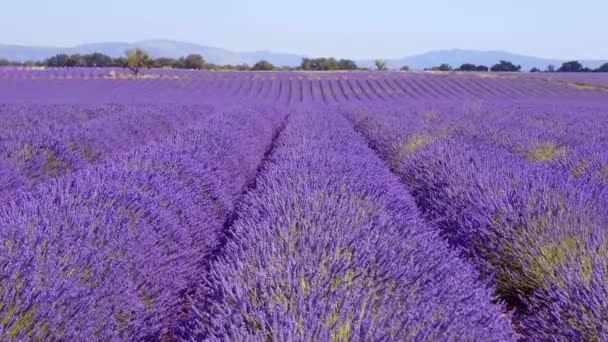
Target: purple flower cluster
column 66, row 138
column 329, row 246
column 110, row 252
column 536, row 231
column 188, row 205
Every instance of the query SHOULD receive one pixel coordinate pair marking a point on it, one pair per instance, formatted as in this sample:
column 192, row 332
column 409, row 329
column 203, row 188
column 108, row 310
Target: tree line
column 193, row 61
column 137, row 59
column 506, row 66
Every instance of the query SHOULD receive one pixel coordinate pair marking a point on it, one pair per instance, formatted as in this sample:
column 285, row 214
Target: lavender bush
column 330, row 247
column 199, row 205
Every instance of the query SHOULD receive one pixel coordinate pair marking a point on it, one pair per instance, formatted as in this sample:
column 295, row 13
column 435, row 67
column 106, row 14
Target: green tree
column 97, row 59
column 405, row 68
column 75, row 60
column 263, row 65
column 194, row 61
column 467, row 67
column 137, row 59
column 306, row 64
column 572, row 66
column 505, row 66
column 603, row 68
column 347, row 64
column 60, row 60
column 4, row 62
column 550, row 68
column 164, row 62
column 535, row 69
column 380, row 65
column 443, row 67
column 243, row 67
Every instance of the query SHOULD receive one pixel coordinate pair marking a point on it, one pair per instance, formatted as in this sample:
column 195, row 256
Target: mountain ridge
column 175, row 49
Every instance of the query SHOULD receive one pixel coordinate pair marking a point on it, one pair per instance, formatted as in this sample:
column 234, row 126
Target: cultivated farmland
column 363, row 206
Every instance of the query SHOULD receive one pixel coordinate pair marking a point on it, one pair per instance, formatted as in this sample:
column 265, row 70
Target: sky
column 347, row 29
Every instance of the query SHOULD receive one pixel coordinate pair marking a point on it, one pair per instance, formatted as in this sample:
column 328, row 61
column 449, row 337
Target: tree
column 535, row 69
column 347, row 64
column 603, row 68
column 4, row 62
column 164, row 62
column 207, row 66
column 472, row 67
column 306, row 64
column 137, row 59
column 572, row 66
column 327, row 64
column 33, row 63
column 243, row 67
column 60, row 60
column 75, row 60
column 442, row 67
column 263, row 65
column 550, row 68
column 467, row 67
column 194, row 61
column 505, row 66
column 97, row 59
column 64, row 60
column 380, row 65
column 405, row 68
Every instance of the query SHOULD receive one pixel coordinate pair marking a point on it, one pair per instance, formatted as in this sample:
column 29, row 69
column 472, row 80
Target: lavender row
column 109, row 253
column 195, row 87
column 569, row 137
column 329, row 246
column 56, row 149
column 16, row 117
column 539, row 234
column 572, row 138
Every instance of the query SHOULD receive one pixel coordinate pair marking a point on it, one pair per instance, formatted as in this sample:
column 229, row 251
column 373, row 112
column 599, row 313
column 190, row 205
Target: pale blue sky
column 355, row 29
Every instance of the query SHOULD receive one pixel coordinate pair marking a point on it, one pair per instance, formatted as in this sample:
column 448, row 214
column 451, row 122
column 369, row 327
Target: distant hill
column 156, row 48
column 175, row 49
column 457, row 57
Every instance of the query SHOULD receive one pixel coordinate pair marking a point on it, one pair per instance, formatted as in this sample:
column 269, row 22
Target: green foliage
column 165, row 62
column 442, row 67
column 603, row 68
column 505, row 66
column 405, row 68
column 535, row 69
column 193, row 61
column 327, row 64
column 137, row 59
column 4, row 62
column 572, row 66
column 243, row 67
column 347, row 64
column 120, row 62
column 467, row 67
column 380, row 65
column 60, row 60
column 263, row 65
column 550, row 68
column 33, row 63
column 97, row 60
column 472, row 67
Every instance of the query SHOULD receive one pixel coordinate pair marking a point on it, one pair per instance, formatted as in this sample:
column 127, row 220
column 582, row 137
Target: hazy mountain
column 175, row 49
column 156, row 48
column 457, row 57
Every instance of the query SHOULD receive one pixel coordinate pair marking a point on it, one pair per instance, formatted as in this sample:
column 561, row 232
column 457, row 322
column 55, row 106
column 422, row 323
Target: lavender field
column 278, row 206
